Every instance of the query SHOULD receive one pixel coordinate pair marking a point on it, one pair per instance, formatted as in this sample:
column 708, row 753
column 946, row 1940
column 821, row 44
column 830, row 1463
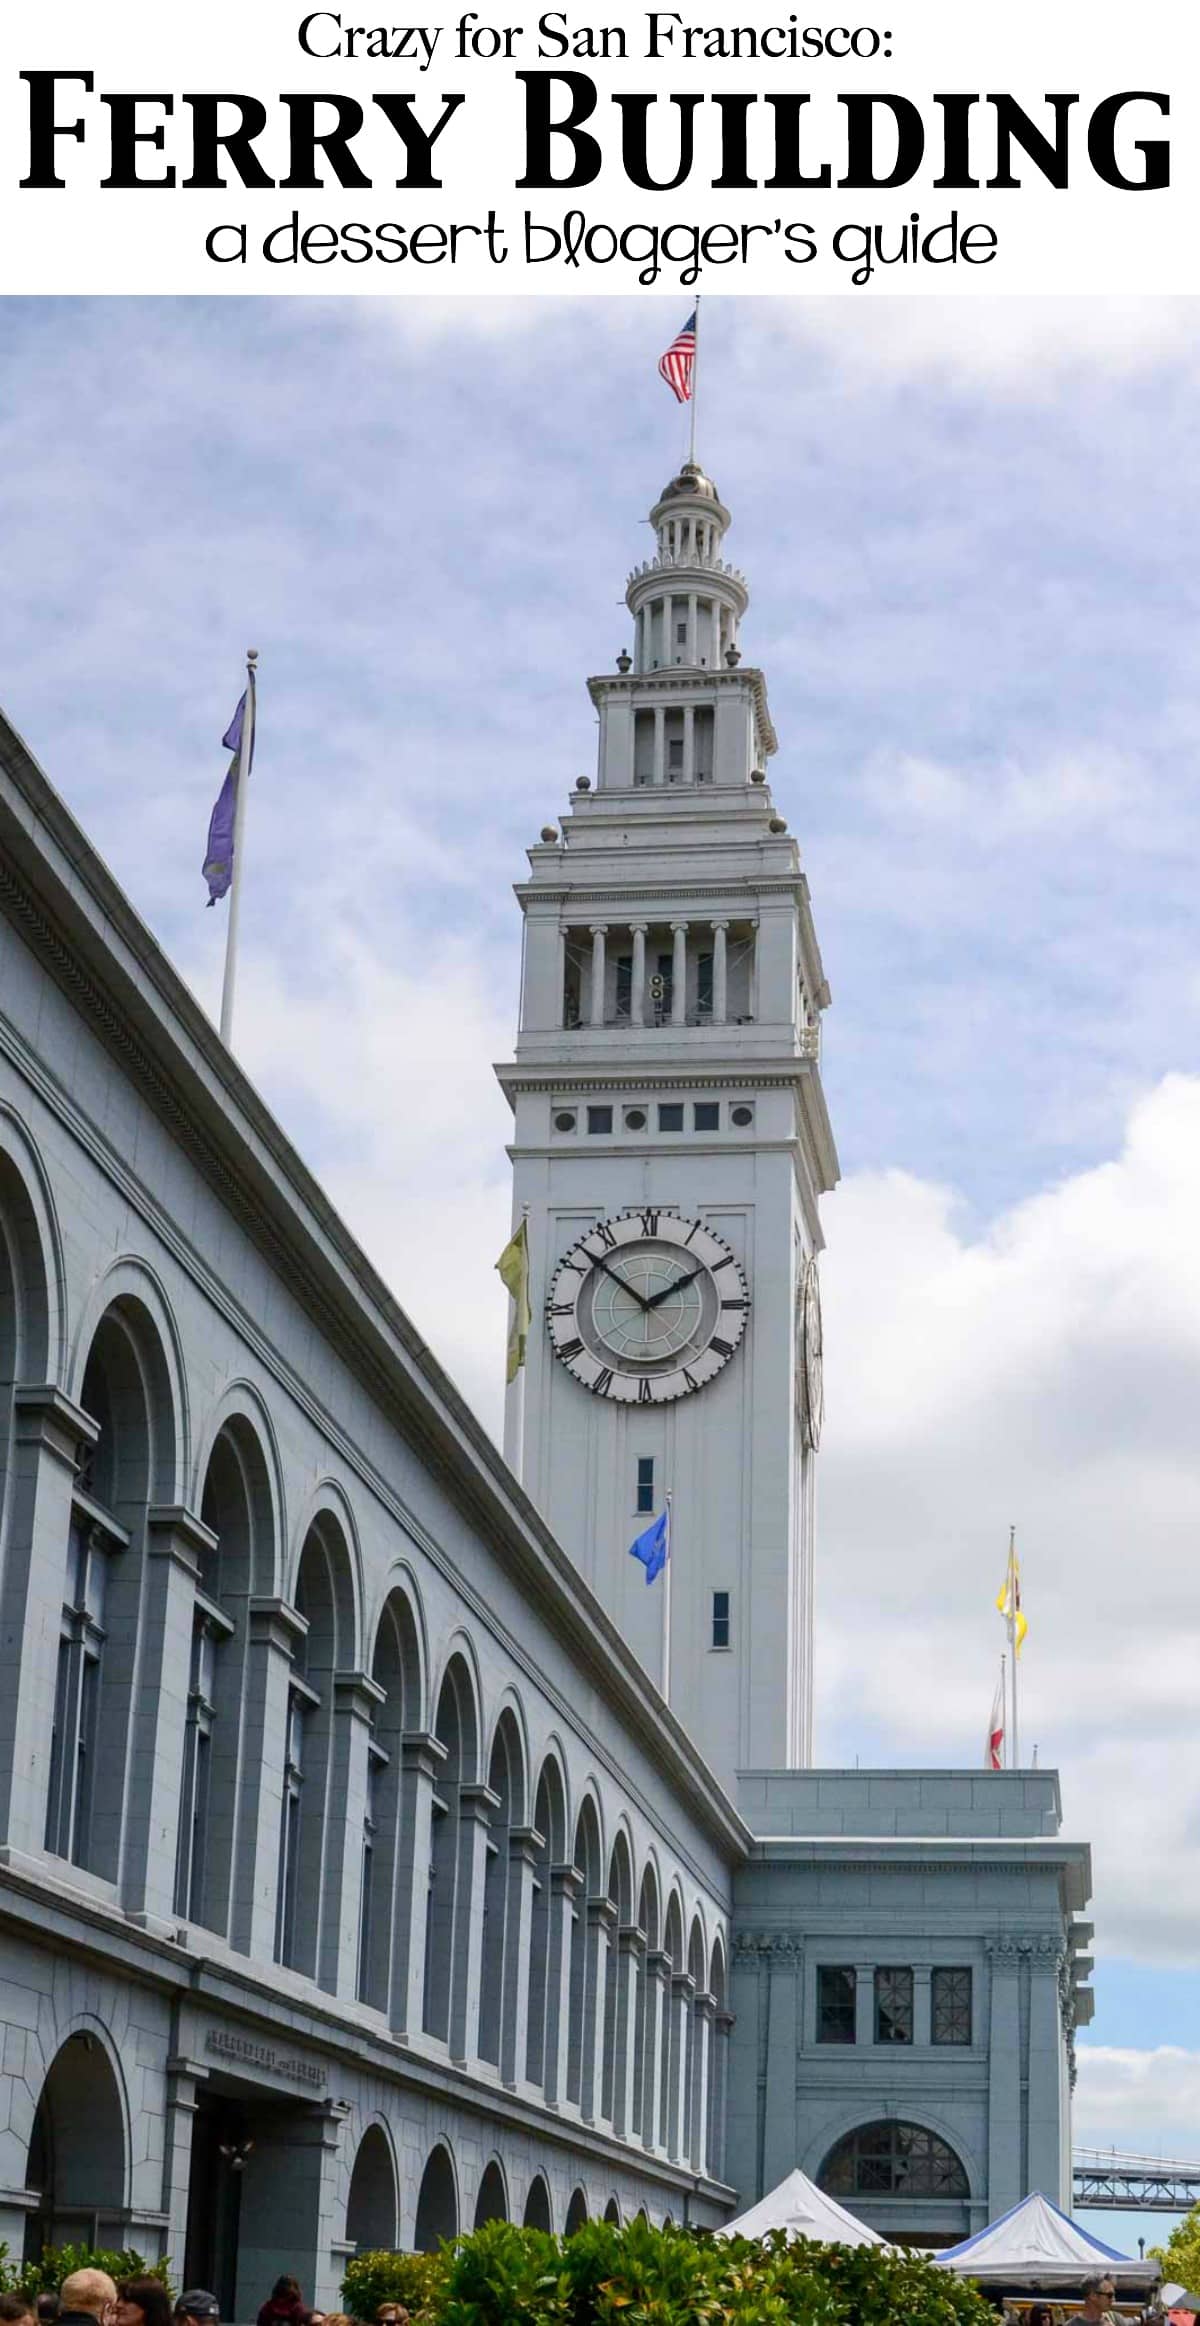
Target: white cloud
column 1044, row 1373
column 1147, row 2102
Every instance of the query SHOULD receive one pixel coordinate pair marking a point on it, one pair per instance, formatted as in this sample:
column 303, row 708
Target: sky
column 969, row 532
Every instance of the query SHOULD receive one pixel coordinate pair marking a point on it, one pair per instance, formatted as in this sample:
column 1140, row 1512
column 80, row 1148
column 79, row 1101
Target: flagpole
column 1012, row 1636
column 666, row 1633
column 695, row 377
column 1003, row 1696
column 245, row 751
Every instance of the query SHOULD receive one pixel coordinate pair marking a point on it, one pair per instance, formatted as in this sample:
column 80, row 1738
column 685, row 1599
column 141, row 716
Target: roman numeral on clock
column 608, row 1242
column 719, row 1347
column 603, row 1382
column 563, row 1308
column 649, row 1223
column 569, row 1349
column 645, row 1393
column 735, row 1304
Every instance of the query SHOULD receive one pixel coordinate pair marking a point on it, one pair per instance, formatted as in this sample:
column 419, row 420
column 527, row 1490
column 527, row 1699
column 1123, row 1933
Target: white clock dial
column 647, row 1307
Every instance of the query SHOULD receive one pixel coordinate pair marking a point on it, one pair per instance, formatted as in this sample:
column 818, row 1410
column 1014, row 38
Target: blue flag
column 218, row 856
column 653, row 1547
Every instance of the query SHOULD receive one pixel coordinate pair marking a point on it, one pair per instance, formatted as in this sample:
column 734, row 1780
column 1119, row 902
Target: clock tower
column 670, row 1149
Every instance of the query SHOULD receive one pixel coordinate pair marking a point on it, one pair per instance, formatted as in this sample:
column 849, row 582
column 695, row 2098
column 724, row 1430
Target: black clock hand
column 668, row 1289
column 621, row 1281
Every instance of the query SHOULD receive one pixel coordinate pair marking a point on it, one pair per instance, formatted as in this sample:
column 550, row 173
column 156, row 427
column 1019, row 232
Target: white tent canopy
column 1035, row 2245
column 804, row 2210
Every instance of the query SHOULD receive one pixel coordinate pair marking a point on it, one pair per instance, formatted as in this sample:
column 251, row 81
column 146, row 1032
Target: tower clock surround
column 670, row 1149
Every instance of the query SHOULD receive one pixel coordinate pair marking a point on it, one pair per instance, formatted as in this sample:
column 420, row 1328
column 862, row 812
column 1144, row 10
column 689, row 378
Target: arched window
column 371, row 2207
column 492, row 2202
column 674, row 2035
column 577, row 2213
column 549, row 1817
column 437, row 2203
column 325, row 1599
column 501, row 1936
column 385, row 1908
column 77, row 2162
column 126, row 1392
column 892, row 2159
column 447, row 1933
column 237, row 1508
column 647, row 2040
column 617, row 2031
column 537, row 2205
column 699, row 2065
column 718, row 2064
column 585, row 1949
column 612, row 2213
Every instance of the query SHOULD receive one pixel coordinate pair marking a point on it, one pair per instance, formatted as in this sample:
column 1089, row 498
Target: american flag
column 675, row 367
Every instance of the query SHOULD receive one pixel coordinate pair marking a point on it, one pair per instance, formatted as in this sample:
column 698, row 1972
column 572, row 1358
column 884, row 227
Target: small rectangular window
column 599, row 1119
column 950, row 2006
column 836, row 2003
column 893, row 2006
column 645, row 1482
column 704, row 985
column 706, row 1114
column 670, row 1117
column 681, row 633
column 624, row 985
column 720, row 1619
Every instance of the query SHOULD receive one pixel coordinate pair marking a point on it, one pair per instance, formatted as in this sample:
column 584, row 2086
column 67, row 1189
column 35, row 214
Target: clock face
column 810, row 1368
column 647, row 1307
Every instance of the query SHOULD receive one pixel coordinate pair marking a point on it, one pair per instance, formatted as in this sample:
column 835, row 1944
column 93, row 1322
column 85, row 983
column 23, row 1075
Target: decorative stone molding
column 772, row 1946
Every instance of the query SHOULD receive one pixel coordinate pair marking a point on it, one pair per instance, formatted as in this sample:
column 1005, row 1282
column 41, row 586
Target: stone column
column 720, row 973
column 565, row 1885
column 1004, row 2076
column 678, row 2142
column 658, row 1980
column 276, row 1630
column 176, row 1541
column 1049, row 2127
column 476, row 1804
column 290, row 2193
column 679, row 930
column 596, row 1000
column 356, row 1699
column 637, row 977
column 50, row 1437
column 601, row 1923
column 780, row 2143
column 421, row 1757
column 703, row 2014
column 183, row 2077
column 524, row 1844
column 864, row 2011
column 689, row 742
column 922, row 2005
column 692, row 650
column 723, row 2023
column 631, row 1946
column 660, row 745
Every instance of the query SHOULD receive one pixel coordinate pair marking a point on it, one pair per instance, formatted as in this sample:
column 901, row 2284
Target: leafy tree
column 1179, row 2258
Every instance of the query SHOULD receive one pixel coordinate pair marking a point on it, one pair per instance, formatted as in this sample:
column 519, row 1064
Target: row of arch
column 440, row 2212
column 350, row 1815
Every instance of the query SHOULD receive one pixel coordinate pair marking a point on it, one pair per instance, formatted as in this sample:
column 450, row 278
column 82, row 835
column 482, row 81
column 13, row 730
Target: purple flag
column 218, row 856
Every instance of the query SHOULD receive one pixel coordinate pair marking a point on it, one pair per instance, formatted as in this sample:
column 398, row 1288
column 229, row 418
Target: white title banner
column 254, row 146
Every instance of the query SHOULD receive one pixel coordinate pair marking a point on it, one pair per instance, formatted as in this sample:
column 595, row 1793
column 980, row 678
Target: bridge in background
column 1107, row 2182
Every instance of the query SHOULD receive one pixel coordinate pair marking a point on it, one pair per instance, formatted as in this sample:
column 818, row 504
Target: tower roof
column 691, row 485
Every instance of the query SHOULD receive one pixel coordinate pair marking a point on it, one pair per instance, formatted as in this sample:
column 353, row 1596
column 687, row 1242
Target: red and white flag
column 994, row 1756
column 677, row 365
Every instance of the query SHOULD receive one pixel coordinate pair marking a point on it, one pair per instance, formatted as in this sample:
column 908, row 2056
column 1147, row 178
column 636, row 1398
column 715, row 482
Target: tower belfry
column 671, row 1146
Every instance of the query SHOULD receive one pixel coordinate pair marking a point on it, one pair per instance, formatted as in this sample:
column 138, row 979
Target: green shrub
column 415, row 2279
column 605, row 2276
column 56, row 2262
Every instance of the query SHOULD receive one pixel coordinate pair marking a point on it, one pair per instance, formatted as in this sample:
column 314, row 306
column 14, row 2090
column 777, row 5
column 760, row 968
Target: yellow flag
column 1009, row 1601
column 513, row 1268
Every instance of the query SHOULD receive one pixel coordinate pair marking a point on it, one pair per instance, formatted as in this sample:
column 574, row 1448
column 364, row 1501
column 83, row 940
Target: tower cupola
column 687, row 601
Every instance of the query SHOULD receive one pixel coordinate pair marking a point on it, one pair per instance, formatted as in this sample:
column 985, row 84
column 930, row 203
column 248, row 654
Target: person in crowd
column 198, row 2308
column 48, row 2306
column 391, row 2314
column 1099, row 2294
column 17, row 2310
column 1041, row 2314
column 285, row 2305
column 85, row 2296
column 142, row 2302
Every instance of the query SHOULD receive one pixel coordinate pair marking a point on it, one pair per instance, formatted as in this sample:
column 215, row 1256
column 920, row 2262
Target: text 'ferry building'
column 356, row 1882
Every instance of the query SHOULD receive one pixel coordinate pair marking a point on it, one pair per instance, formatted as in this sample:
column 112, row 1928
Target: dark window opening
column 670, row 1117
column 893, row 2006
column 893, row 2160
column 645, row 1482
column 564, row 1122
column 706, row 1115
column 720, row 1619
column 836, row 2003
column 600, row 1119
column 950, row 2000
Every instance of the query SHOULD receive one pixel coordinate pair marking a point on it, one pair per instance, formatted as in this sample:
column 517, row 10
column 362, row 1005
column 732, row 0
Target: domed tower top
column 696, row 623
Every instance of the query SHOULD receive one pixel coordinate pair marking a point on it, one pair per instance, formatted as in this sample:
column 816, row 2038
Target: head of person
column 391, row 2314
column 198, row 2305
column 1039, row 2315
column 48, row 2306
column 89, row 2293
column 1099, row 2294
column 16, row 2310
column 142, row 2302
column 287, row 2290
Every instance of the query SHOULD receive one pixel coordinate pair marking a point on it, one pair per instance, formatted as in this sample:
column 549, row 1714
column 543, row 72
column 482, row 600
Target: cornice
column 787, row 886
column 678, row 1077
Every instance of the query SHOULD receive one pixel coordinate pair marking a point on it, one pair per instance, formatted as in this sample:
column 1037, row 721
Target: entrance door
column 219, row 2137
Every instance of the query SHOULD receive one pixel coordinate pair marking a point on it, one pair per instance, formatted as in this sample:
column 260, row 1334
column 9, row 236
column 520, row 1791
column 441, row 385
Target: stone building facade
column 356, row 1882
